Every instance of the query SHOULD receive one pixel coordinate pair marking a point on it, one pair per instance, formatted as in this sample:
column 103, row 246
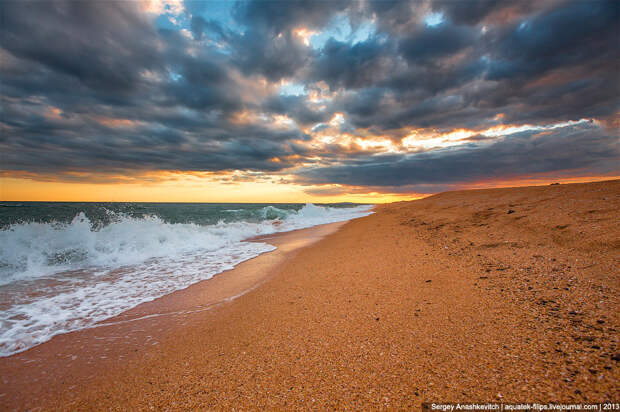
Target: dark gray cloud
column 394, row 16
column 570, row 35
column 268, row 46
column 279, row 16
column 437, row 41
column 273, row 55
column 297, row 107
column 342, row 65
column 104, row 86
column 488, row 11
column 467, row 12
column 104, row 45
column 201, row 28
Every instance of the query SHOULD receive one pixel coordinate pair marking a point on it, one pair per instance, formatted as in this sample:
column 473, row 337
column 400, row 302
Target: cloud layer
column 381, row 94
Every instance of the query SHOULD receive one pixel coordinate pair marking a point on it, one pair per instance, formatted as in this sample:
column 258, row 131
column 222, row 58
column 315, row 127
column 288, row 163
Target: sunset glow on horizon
column 184, row 189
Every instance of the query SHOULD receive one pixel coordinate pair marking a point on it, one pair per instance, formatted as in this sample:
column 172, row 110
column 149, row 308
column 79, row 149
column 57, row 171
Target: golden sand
column 502, row 294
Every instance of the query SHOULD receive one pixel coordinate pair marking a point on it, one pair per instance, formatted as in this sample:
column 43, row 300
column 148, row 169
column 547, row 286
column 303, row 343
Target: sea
column 67, row 266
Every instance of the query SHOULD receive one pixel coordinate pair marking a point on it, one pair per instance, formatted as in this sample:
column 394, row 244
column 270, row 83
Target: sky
column 313, row 101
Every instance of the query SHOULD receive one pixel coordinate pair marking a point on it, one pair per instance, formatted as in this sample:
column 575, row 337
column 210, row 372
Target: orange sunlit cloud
column 305, row 34
column 115, row 122
column 53, row 113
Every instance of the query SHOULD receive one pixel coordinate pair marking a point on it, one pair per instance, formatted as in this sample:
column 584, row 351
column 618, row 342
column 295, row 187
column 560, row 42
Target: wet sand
column 486, row 295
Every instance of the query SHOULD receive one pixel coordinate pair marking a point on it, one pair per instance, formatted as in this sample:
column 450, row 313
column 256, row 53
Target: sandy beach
column 488, row 295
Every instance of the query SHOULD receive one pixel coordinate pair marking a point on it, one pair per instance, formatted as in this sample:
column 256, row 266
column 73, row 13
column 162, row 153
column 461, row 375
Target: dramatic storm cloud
column 387, row 95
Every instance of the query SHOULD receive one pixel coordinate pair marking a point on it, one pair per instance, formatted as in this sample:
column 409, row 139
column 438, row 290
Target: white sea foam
column 56, row 278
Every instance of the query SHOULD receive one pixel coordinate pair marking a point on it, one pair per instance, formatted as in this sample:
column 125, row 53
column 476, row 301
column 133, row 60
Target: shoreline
column 107, row 343
column 498, row 295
